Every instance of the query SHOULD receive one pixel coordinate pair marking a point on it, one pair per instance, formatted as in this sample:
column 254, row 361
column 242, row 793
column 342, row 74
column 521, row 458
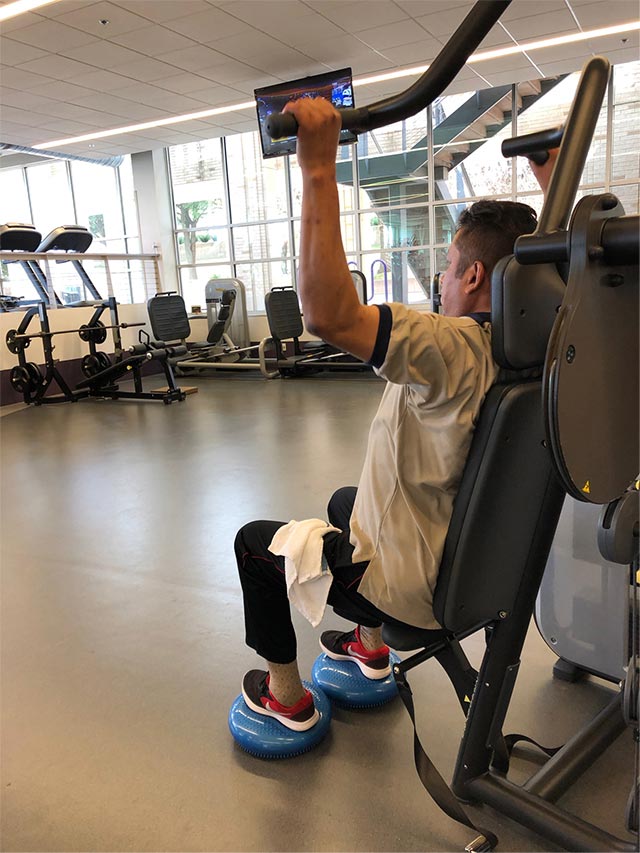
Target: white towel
column 306, row 571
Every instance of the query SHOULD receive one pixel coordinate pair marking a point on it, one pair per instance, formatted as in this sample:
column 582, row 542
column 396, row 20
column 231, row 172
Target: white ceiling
column 64, row 73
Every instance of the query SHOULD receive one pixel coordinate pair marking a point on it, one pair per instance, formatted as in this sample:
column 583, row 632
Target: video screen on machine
column 335, row 86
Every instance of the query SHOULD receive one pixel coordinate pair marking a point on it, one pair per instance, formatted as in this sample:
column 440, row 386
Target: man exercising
column 385, row 559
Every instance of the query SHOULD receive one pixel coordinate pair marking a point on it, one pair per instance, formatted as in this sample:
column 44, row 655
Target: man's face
column 452, row 295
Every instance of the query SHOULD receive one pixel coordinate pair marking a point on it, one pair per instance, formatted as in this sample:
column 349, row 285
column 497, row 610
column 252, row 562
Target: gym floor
column 123, row 644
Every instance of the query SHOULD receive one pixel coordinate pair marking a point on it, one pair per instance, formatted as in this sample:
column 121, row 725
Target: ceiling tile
column 22, row 99
column 102, row 81
column 392, row 35
column 161, row 11
column 525, row 29
column 88, row 20
column 121, row 107
column 153, row 41
column 194, row 58
column 524, row 9
column 353, row 15
column 209, row 24
column 103, row 54
column 15, row 53
column 420, row 52
column 146, row 69
column 443, row 23
column 63, row 7
column 247, row 45
column 61, row 90
column 20, row 79
column 183, row 83
column 606, row 14
column 52, row 34
column 58, row 67
column 24, row 20
column 215, row 95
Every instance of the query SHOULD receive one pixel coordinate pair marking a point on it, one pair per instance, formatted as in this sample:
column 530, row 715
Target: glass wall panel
column 629, row 196
column 193, row 285
column 198, row 185
column 257, row 187
column 259, row 278
column 202, row 246
column 14, row 200
column 128, row 196
column 468, row 130
column 393, row 164
column 397, row 276
column 50, row 192
column 446, row 217
column 98, row 206
column 383, row 229
column 625, row 161
column 270, row 240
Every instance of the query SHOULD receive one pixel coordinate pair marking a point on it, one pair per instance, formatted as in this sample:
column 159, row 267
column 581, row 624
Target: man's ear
column 476, row 277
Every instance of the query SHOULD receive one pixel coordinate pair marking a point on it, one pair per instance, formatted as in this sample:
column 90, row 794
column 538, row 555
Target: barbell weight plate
column 90, row 366
column 16, row 346
column 631, row 812
column 103, row 360
column 35, row 375
column 19, row 378
column 95, row 332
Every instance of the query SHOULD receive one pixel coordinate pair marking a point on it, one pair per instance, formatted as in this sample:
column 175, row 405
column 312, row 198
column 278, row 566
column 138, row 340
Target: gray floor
column 122, row 639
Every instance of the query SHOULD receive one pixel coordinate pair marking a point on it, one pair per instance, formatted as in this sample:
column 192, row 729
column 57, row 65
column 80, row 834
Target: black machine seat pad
column 168, row 317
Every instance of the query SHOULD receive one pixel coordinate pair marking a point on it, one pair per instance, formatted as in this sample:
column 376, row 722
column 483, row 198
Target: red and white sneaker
column 373, row 664
column 256, row 693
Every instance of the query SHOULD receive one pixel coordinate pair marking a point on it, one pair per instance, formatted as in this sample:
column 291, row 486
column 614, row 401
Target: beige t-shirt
column 438, row 371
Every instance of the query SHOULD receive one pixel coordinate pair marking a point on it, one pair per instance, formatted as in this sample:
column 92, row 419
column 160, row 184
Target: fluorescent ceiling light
column 482, row 56
column 11, row 10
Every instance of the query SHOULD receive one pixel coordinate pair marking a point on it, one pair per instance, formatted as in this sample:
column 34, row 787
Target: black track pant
column 267, row 616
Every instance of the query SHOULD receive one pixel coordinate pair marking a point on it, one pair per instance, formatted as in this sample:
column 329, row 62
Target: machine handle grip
column 535, row 146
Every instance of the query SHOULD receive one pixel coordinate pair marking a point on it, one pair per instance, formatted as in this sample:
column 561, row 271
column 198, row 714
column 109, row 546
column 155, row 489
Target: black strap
column 503, row 749
column 433, row 782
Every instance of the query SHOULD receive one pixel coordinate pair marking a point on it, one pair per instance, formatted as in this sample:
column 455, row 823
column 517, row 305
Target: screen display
column 335, row 86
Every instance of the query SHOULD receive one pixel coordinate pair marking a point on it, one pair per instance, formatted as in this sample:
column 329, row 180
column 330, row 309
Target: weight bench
column 170, row 322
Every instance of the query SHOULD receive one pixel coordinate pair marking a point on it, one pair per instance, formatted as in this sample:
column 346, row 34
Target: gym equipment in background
column 24, row 238
column 74, row 240
column 170, row 323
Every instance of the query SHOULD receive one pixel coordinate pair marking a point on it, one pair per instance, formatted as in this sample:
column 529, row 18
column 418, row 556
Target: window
column 401, row 190
column 51, row 199
column 14, row 199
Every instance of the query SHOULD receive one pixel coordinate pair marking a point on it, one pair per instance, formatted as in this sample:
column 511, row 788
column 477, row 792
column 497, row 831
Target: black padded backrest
column 225, row 314
column 19, row 237
column 168, row 317
column 507, row 499
column 283, row 313
column 524, row 305
column 67, row 238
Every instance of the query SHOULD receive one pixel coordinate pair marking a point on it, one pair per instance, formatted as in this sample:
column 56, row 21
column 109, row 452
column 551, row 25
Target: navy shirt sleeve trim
column 383, row 337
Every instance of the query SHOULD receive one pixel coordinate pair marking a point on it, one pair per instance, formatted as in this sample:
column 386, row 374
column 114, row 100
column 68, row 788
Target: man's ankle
column 370, row 638
column 285, row 683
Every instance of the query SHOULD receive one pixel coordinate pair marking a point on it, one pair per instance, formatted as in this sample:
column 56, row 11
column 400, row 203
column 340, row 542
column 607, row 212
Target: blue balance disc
column 265, row 737
column 345, row 685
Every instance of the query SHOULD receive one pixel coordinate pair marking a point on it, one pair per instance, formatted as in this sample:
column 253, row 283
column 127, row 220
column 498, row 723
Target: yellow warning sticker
column 466, row 699
column 587, row 488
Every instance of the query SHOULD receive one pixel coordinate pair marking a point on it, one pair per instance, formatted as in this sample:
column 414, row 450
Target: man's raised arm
column 330, row 304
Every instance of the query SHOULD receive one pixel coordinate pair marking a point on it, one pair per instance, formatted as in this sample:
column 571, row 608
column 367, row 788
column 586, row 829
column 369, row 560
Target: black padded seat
column 67, row 238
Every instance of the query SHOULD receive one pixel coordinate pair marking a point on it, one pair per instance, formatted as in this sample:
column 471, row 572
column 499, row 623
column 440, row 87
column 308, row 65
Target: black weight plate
column 631, row 812
column 35, row 375
column 95, row 332
column 19, row 378
column 90, row 366
column 15, row 346
column 103, row 360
